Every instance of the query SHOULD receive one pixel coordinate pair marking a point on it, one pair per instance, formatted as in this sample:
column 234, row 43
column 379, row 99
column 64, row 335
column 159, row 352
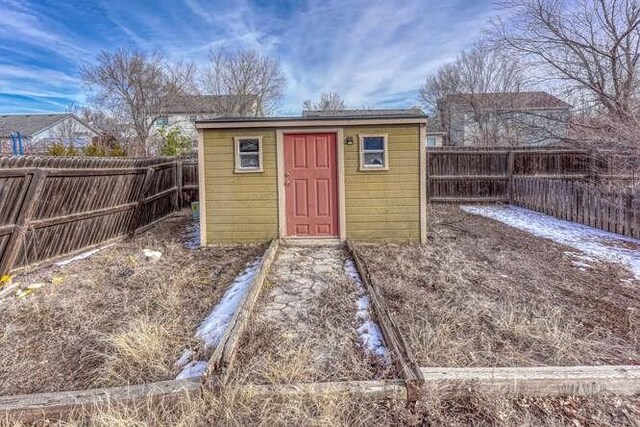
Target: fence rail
column 486, row 175
column 54, row 206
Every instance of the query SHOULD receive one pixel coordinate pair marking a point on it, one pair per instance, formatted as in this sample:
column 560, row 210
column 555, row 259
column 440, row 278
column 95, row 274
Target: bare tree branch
column 329, row 101
column 139, row 86
column 255, row 82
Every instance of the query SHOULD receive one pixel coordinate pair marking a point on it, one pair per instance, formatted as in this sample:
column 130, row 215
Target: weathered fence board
column 579, row 201
column 53, row 206
column 464, row 174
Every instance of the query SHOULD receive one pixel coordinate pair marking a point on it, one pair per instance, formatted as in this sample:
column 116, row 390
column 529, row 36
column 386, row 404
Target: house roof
column 434, row 126
column 513, row 100
column 31, row 124
column 206, row 104
column 347, row 117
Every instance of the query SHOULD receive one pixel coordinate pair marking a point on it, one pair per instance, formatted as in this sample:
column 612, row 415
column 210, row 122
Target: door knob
column 287, row 182
column 287, row 174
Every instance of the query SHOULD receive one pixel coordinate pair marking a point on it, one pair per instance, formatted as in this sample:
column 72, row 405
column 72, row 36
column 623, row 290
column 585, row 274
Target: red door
column 311, row 179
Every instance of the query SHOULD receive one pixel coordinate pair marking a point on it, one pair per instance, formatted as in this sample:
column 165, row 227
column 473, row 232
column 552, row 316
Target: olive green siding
column 379, row 205
column 240, row 207
column 384, row 205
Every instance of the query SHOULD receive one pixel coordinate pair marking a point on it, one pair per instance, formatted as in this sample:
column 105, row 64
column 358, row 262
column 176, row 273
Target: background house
column 39, row 131
column 435, row 133
column 507, row 118
column 184, row 112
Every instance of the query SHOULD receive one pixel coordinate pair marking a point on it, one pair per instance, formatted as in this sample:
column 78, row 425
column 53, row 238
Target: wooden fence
column 487, row 174
column 579, row 201
column 54, row 206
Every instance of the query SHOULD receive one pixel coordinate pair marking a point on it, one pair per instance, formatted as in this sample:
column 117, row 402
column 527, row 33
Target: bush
column 104, row 146
column 174, row 142
column 58, row 149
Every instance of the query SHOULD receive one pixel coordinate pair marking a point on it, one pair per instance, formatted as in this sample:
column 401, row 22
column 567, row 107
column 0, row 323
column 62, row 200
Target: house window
column 248, row 154
column 431, row 141
column 373, row 152
column 162, row 121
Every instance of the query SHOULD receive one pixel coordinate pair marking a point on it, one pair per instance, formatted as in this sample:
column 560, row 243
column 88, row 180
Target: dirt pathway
column 305, row 327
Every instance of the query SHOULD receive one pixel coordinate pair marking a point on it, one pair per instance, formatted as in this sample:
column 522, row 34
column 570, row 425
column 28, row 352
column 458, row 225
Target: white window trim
column 236, row 144
column 385, row 150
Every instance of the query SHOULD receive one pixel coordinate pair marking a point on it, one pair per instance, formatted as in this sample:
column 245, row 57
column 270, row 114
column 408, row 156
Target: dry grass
column 483, row 294
column 326, row 350
column 235, row 407
column 114, row 318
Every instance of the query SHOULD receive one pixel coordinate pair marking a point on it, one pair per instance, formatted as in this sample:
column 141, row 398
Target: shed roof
column 345, row 117
column 400, row 112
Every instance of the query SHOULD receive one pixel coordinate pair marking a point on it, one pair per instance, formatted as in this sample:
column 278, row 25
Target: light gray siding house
column 183, row 113
column 39, row 131
column 507, row 118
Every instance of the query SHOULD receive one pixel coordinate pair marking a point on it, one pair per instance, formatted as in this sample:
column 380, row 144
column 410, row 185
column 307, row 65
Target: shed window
column 373, row 152
column 431, row 141
column 248, row 154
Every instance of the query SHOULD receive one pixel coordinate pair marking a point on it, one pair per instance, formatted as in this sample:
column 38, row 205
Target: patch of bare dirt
column 480, row 293
column 114, row 318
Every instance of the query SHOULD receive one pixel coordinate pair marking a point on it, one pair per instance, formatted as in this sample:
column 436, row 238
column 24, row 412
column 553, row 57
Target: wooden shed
column 358, row 175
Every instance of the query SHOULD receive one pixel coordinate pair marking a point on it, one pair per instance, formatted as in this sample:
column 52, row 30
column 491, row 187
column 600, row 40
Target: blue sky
column 374, row 53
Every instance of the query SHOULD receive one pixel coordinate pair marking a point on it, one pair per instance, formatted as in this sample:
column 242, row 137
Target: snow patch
column 186, row 357
column 151, row 255
column 83, row 255
column 368, row 331
column 594, row 243
column 581, row 261
column 192, row 370
column 212, row 328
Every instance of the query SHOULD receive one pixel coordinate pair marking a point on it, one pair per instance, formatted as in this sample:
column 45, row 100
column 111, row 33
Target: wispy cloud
column 375, row 53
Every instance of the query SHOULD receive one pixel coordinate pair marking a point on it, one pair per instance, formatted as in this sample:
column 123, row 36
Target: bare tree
column 138, row 85
column 254, row 83
column 476, row 72
column 329, row 101
column 591, row 48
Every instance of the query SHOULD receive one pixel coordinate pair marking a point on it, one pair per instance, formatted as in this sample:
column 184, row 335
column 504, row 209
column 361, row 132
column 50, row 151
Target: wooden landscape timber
column 51, row 207
column 534, row 381
column 221, row 362
column 402, row 355
column 377, row 389
column 51, row 406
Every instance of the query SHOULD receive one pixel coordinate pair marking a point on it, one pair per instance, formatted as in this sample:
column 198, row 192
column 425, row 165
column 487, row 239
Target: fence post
column 628, row 209
column 179, row 173
column 146, row 184
column 510, row 160
column 34, row 191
